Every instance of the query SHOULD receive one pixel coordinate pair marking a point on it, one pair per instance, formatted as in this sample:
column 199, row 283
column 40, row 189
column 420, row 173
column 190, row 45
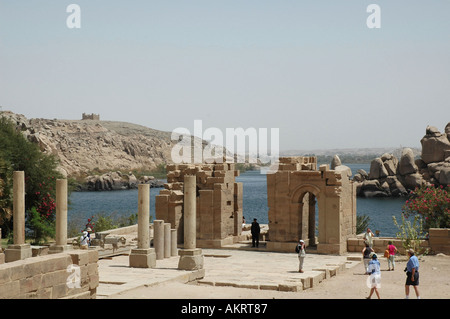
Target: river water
column 124, row 203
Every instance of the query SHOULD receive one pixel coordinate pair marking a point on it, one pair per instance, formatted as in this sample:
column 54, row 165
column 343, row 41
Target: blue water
column 124, row 203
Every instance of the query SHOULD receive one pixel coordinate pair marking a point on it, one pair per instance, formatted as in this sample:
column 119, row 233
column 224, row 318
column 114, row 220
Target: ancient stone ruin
column 218, row 207
column 292, row 192
column 91, row 116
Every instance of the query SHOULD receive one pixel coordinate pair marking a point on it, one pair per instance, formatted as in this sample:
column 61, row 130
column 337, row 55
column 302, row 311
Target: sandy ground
column 349, row 284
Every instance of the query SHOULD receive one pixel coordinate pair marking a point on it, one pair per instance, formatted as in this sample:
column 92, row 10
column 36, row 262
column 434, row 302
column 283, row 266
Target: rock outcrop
column 86, row 145
column 389, row 176
column 117, row 181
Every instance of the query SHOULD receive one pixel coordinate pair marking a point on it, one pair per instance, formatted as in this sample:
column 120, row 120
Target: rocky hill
column 392, row 176
column 86, row 145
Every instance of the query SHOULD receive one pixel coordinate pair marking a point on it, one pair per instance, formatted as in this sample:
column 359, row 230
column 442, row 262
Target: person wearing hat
column 412, row 274
column 84, row 240
column 300, row 249
column 373, row 270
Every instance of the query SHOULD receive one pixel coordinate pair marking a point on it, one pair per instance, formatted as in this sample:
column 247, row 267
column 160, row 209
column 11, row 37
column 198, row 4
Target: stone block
column 17, row 252
column 190, row 259
column 39, row 250
column 32, row 268
column 54, row 278
column 268, row 287
column 143, row 258
column 79, row 258
column 93, row 255
column 30, row 284
column 55, row 262
column 247, row 285
column 5, row 274
column 325, row 271
column 10, row 289
column 59, row 290
column 316, row 277
column 291, row 287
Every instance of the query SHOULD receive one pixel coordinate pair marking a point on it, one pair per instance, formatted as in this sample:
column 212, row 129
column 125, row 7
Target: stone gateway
column 292, row 192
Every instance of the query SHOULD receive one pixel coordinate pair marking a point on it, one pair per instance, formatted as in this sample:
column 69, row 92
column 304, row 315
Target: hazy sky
column 313, row 69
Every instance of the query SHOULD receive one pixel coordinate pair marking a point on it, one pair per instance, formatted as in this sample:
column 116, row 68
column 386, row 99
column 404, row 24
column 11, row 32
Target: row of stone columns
column 165, row 239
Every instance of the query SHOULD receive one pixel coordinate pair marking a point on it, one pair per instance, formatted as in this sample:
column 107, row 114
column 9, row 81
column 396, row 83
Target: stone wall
column 45, row 277
column 379, row 245
column 439, row 240
column 219, row 202
column 292, row 192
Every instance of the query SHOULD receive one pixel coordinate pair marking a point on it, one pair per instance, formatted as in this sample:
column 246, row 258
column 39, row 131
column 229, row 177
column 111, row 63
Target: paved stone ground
column 236, row 266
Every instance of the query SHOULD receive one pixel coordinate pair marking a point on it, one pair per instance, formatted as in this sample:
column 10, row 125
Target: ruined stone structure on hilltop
column 91, row 116
column 292, row 192
column 219, row 202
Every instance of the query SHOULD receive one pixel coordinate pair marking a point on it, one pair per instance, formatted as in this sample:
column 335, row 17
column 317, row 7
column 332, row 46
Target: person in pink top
column 392, row 250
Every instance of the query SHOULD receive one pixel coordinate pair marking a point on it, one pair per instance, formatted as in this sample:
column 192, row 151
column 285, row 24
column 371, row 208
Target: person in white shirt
column 300, row 249
column 84, row 240
column 375, row 275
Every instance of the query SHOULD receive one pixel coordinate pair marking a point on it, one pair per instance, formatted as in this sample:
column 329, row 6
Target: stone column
column 143, row 256
column 19, row 250
column 167, row 240
column 173, row 242
column 158, row 240
column 61, row 218
column 191, row 258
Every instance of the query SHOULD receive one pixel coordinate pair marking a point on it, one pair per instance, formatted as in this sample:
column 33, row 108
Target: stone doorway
column 292, row 192
column 307, row 218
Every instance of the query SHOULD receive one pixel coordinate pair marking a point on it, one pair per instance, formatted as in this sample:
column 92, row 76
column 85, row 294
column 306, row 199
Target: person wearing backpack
column 84, row 240
column 300, row 250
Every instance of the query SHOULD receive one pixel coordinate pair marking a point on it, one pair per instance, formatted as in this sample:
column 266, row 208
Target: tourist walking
column 391, row 258
column 412, row 274
column 368, row 237
column 255, row 230
column 300, row 249
column 366, row 255
column 374, row 280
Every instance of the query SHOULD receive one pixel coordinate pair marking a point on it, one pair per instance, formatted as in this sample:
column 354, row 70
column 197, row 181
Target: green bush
column 411, row 234
column 42, row 228
column 432, row 204
column 19, row 154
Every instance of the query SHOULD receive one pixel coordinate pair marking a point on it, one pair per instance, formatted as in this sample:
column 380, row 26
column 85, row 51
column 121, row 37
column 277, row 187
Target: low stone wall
column 48, row 276
column 438, row 242
column 439, row 239
column 379, row 245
